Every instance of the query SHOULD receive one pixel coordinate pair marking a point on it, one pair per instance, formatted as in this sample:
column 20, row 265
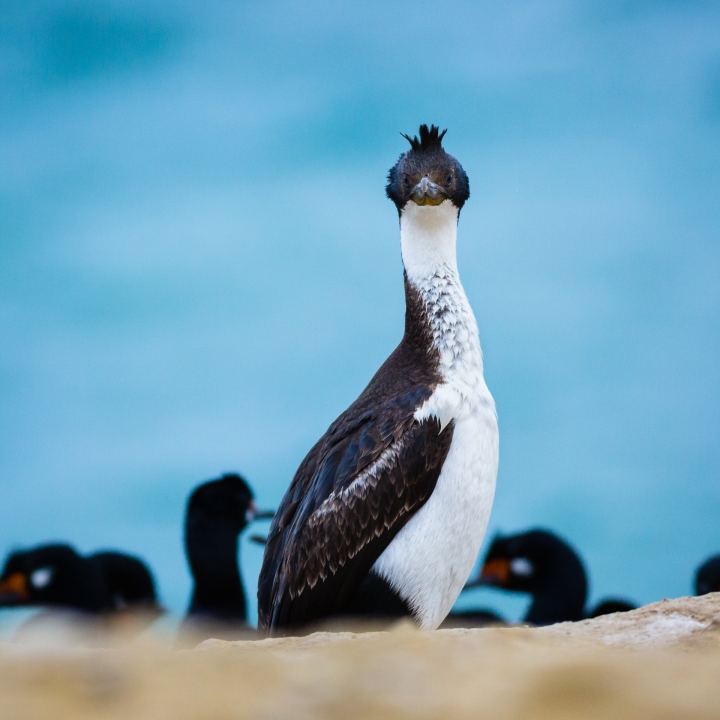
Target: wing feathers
column 360, row 518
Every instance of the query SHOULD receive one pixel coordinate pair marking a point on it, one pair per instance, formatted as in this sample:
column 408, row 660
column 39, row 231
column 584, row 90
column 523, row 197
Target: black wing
column 352, row 494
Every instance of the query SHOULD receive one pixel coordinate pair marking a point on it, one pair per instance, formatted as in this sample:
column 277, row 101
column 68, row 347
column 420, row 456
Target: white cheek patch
column 41, row 578
column 522, row 567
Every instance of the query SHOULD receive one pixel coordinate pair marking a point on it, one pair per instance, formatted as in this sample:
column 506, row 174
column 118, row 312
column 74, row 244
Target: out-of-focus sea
column 199, row 270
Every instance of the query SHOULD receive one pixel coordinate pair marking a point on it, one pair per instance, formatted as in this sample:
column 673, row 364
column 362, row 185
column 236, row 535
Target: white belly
column 431, row 558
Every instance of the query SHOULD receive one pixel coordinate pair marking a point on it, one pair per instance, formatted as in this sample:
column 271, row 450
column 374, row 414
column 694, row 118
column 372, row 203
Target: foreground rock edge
column 661, row 623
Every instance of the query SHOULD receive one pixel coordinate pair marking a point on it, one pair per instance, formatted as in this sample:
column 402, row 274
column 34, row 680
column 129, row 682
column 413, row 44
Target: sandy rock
column 667, row 622
column 661, row 623
column 579, row 671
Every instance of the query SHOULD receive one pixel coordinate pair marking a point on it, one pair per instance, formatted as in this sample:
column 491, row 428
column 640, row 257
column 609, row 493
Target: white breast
column 431, row 558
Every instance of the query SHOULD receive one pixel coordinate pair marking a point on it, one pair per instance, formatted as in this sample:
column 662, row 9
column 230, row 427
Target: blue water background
column 199, row 270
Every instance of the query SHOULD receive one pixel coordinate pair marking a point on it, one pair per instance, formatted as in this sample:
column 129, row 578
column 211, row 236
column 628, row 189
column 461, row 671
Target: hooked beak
column 426, row 192
column 13, row 590
column 494, row 573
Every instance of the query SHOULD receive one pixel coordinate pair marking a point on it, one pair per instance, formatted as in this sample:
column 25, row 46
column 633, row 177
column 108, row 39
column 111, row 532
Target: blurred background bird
column 707, row 576
column 540, row 563
column 115, row 592
column 217, row 513
column 112, row 591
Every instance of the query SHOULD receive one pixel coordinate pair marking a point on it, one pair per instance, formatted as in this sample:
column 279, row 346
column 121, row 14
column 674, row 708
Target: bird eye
column 521, row 566
column 406, row 180
column 41, row 577
column 449, row 179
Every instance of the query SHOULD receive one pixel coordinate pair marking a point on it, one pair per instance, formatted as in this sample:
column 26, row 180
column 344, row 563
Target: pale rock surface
column 661, row 623
column 661, row 661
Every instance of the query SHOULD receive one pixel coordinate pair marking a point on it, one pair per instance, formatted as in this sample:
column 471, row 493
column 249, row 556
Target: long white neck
column 428, row 235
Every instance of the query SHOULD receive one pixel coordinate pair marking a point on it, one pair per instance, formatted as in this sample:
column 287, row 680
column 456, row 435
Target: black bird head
column 52, row 575
column 227, row 502
column 707, row 577
column 426, row 174
column 518, row 562
column 540, row 563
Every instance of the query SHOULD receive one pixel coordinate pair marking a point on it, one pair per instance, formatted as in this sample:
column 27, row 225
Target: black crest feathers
column 430, row 139
column 427, row 158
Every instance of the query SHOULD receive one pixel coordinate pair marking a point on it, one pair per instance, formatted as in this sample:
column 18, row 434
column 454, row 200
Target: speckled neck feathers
column 428, row 240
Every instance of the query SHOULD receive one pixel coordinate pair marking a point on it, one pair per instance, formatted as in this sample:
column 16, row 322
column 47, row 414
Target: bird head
column 226, row 502
column 511, row 564
column 426, row 175
column 46, row 575
column 527, row 562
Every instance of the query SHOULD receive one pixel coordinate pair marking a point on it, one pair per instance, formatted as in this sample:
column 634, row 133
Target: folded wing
column 355, row 490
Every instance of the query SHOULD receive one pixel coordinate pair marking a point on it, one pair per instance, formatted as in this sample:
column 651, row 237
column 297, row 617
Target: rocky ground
column 661, row 661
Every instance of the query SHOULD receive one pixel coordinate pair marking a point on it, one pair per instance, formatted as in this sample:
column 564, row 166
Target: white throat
column 428, row 236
